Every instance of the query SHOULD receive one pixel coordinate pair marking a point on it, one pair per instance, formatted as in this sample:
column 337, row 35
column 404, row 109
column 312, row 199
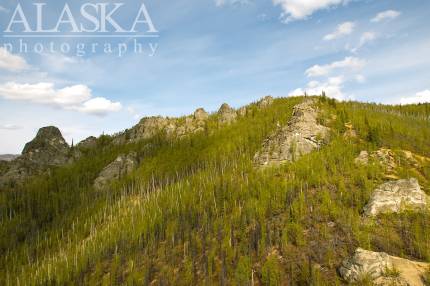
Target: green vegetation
column 197, row 212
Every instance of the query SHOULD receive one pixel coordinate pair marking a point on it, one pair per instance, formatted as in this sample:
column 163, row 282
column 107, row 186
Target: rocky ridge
column 300, row 136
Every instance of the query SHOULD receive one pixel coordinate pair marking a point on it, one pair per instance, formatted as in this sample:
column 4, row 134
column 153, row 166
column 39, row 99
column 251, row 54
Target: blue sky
column 209, row 52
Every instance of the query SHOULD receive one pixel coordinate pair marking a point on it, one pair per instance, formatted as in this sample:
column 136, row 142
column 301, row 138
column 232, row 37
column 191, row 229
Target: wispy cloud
column 385, row 15
column 365, row 38
column 299, row 10
column 11, row 62
column 76, row 97
column 341, row 30
column 348, row 64
column 420, row 97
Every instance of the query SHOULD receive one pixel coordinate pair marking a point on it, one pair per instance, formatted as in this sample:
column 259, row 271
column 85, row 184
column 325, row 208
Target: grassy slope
column 196, row 211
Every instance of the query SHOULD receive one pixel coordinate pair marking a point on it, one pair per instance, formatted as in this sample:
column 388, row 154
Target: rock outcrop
column 377, row 265
column 123, row 165
column 395, row 197
column 365, row 263
column 226, row 114
column 265, row 101
column 47, row 149
column 302, row 135
column 384, row 156
column 171, row 127
column 88, row 143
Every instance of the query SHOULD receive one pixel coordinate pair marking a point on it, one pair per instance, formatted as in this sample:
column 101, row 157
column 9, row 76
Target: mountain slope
column 198, row 211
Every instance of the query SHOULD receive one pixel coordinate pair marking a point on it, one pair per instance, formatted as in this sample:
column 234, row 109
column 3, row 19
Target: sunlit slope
column 197, row 211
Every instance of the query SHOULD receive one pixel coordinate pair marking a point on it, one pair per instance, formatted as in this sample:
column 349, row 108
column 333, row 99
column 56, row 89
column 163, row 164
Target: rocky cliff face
column 395, row 197
column 46, row 150
column 376, row 265
column 123, row 165
column 302, row 135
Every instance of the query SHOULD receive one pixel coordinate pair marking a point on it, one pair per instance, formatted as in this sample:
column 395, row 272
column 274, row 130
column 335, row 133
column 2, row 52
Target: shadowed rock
column 302, row 135
column 122, row 166
column 47, row 149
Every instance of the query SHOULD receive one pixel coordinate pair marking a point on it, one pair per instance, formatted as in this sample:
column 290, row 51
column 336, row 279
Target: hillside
column 283, row 191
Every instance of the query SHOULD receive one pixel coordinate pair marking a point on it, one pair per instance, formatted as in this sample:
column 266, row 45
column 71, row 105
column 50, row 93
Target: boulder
column 377, row 267
column 364, row 264
column 226, row 114
column 300, row 136
column 123, row 165
column 395, row 197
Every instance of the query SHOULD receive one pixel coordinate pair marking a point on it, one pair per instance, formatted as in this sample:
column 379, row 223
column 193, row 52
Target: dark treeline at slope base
column 197, row 210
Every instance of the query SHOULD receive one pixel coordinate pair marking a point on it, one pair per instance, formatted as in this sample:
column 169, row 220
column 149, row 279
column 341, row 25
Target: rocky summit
column 47, row 149
column 395, row 197
column 302, row 135
column 379, row 268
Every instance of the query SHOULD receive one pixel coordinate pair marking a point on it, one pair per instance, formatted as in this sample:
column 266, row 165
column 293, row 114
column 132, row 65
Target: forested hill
column 283, row 191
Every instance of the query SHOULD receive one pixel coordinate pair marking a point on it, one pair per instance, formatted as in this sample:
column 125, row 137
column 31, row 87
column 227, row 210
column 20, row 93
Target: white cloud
column 420, row 97
column 10, row 127
column 11, row 62
column 341, row 30
column 301, row 9
column 76, row 97
column 349, row 64
column 99, row 106
column 332, row 88
column 386, row 15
